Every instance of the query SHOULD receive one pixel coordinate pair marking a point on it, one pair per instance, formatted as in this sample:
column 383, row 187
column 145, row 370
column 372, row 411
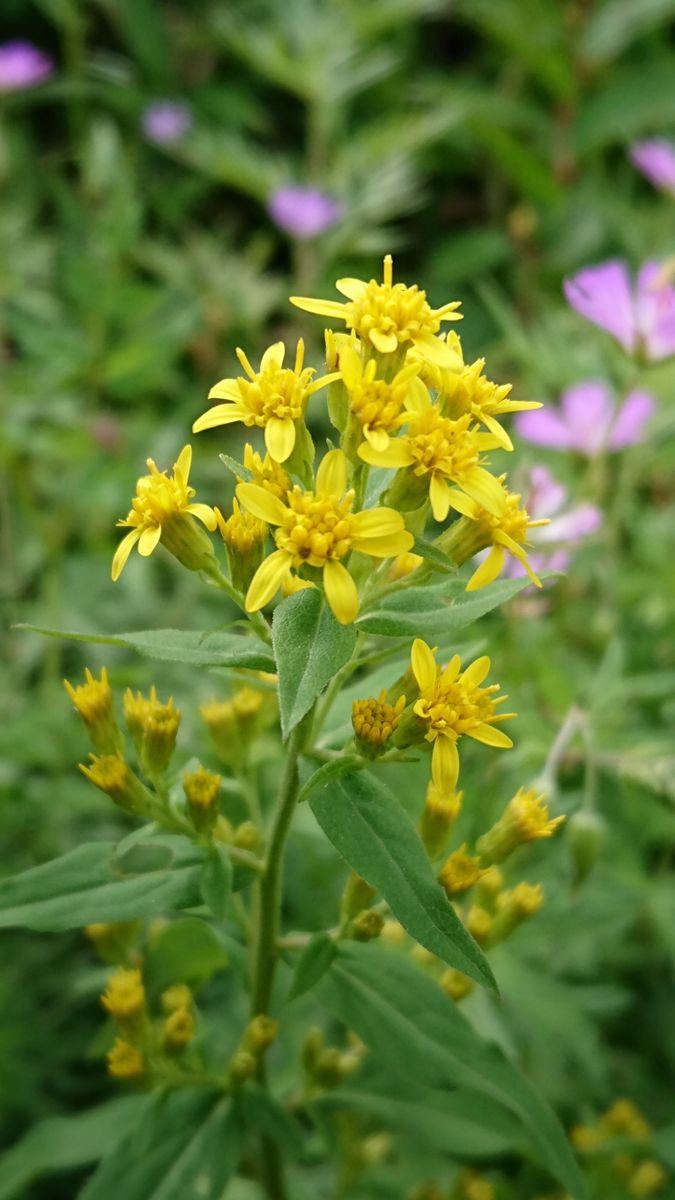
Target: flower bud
column 93, row 701
column 176, row 997
column 357, row 895
column 366, row 926
column 514, row 907
column 246, row 836
column 525, row 819
column 460, row 872
column 479, row 924
column 112, row 775
column 178, row 1030
column 242, row 1067
column 124, row 997
column 456, row 984
column 647, row 1179
column 235, row 723
column 154, row 728
column 112, row 940
column 125, row 1061
column 438, row 816
column 585, row 838
column 375, row 721
column 244, row 536
column 260, row 1032
column 201, row 789
column 189, row 543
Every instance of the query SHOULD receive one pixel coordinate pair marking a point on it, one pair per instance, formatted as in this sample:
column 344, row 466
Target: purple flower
column 588, row 421
column 640, row 315
column 655, row 157
column 166, row 121
column 546, row 497
column 303, row 212
column 22, row 65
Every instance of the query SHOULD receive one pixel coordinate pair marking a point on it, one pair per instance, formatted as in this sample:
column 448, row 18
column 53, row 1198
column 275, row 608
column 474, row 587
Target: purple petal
column 655, row 307
column 166, row 121
column 22, row 65
column 655, row 157
column 572, row 525
column 602, row 294
column 303, row 212
column 546, row 495
column 543, row 427
column 588, row 410
column 633, row 415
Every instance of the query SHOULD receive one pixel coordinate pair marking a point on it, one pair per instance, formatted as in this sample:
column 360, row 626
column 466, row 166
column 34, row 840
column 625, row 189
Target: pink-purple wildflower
column 655, row 158
column 166, row 121
column 588, row 420
column 23, row 66
column 303, row 212
column 640, row 314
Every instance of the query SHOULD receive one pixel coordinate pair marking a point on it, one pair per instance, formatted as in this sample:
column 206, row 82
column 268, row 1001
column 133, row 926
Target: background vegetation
column 483, row 142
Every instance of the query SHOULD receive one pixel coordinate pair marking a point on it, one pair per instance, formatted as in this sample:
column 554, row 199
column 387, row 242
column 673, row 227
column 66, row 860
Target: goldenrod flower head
column 504, row 533
column 93, row 700
column 452, row 704
column 319, row 529
column 113, row 775
column 244, row 536
column 377, row 404
column 176, row 997
column 366, row 926
column 179, row 1029
column 647, row 1179
column 479, row 923
column 456, row 984
column 163, row 509
column 260, row 1032
column 515, row 906
column 466, row 389
column 374, row 721
column 153, row 726
column 587, row 1137
column 201, row 788
column 387, row 315
column 111, row 939
column 525, row 819
column 273, row 398
column 438, row 816
column 434, row 453
column 471, row 1186
column 269, row 474
column 404, row 565
column 124, row 996
column 625, row 1119
column 491, row 883
column 125, row 1061
column 460, row 871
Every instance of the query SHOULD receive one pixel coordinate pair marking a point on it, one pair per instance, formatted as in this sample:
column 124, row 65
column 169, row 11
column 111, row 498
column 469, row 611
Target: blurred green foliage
column 484, row 141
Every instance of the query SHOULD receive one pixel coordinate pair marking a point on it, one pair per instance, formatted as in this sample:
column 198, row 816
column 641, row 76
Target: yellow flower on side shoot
column 460, row 871
column 388, row 315
column 468, row 390
column 377, row 404
column 273, row 398
column 452, row 704
column 125, row 1061
column 434, row 453
column 318, row 529
column 505, row 533
column 266, row 472
column 124, row 997
column 93, row 700
column 162, row 509
column 525, row 819
column 374, row 721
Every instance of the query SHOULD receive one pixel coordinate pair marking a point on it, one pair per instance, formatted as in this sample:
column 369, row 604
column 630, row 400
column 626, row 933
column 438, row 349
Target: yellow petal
column 273, row 356
column 397, row 454
column 203, row 513
column 261, row 503
column 423, row 665
column 350, row 367
column 323, row 382
column 331, row 477
column 227, row 389
column 341, row 592
column 280, row 438
column 487, row 571
column 445, row 764
column 122, row 553
column 377, row 522
column 450, row 673
column 417, row 399
column 181, row 467
column 438, row 494
column 377, row 438
column 322, row 308
column 221, row 414
column 496, row 430
column 267, row 580
column 390, row 545
column 485, row 489
column 386, row 343
column 149, row 539
column 489, row 736
column 462, row 504
column 477, row 671
column 435, row 351
column 353, row 289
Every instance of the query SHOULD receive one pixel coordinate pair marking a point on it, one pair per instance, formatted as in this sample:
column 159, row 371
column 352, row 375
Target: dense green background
column 485, row 143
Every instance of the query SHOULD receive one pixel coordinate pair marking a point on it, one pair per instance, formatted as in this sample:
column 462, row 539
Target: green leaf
column 186, row 1147
column 438, row 610
column 346, row 764
column 312, row 964
column 62, row 1143
column 238, row 469
column 260, row 1111
column 200, row 648
column 216, row 881
column 187, row 950
column 410, row 1025
column 309, row 646
column 374, row 834
column 435, row 557
column 87, row 885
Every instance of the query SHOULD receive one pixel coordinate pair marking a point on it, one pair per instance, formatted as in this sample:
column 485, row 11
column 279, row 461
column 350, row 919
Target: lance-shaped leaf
column 201, row 648
column 309, row 646
column 437, row 610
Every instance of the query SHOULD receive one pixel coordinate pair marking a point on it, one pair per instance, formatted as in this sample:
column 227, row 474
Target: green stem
column 256, row 618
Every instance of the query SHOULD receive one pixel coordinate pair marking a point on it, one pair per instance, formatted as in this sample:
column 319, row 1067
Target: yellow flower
column 404, row 565
column 474, row 1187
column 515, row 906
column 125, row 1061
column 441, row 452
column 479, row 923
column 647, row 1178
column 466, row 389
column 526, row 819
column 624, row 1118
column 451, row 704
column 460, row 871
column 124, row 996
column 318, row 529
column 438, row 815
column 179, row 1029
column 93, row 700
column 113, row 775
column 374, row 721
column 388, row 315
column 201, row 788
column 162, row 509
column 244, row 537
column 455, row 984
column 266, row 472
column 377, row 404
column 273, row 398
column 505, row 533
column 154, row 729
column 175, row 997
